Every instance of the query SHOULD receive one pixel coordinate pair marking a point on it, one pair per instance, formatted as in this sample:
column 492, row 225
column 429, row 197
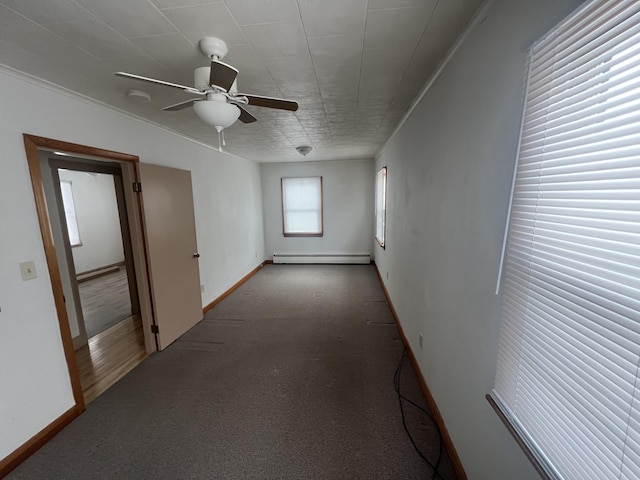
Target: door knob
column 196, row 255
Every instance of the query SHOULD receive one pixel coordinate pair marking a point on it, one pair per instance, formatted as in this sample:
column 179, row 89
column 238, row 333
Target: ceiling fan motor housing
column 201, row 80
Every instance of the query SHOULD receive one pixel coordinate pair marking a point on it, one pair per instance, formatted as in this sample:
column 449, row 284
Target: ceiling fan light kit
column 218, row 114
column 220, row 104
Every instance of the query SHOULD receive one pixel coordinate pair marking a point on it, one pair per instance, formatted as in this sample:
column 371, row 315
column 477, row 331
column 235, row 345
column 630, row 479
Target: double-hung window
column 70, row 213
column 568, row 371
column 302, row 207
column 381, row 206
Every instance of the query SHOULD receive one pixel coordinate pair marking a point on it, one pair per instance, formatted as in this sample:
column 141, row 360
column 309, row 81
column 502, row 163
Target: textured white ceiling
column 354, row 66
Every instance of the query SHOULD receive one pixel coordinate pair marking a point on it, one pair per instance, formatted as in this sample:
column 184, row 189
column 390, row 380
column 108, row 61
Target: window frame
column 70, row 212
column 381, row 207
column 320, row 199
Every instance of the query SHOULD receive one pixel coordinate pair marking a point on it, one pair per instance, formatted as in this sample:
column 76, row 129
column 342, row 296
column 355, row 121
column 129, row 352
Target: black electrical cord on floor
column 396, row 384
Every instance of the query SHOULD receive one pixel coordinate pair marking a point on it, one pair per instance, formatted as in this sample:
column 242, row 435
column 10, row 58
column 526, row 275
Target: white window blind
column 381, row 205
column 70, row 213
column 567, row 377
column 302, row 206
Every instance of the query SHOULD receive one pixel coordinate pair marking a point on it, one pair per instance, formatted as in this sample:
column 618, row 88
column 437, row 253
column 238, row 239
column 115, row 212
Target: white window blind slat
column 567, row 375
column 579, row 28
column 302, row 206
column 623, row 154
column 578, row 39
column 599, row 88
column 561, row 421
column 619, row 287
column 598, row 345
column 572, row 415
column 612, row 337
column 603, row 163
column 588, row 127
column 571, row 70
column 589, row 113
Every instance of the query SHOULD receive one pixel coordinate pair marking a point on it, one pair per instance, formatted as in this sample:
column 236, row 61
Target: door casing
column 129, row 174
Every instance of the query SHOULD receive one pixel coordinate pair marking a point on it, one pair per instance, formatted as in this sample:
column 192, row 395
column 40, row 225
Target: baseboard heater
column 350, row 258
column 98, row 272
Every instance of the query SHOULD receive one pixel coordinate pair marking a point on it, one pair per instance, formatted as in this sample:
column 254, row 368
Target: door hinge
column 137, row 187
column 154, row 329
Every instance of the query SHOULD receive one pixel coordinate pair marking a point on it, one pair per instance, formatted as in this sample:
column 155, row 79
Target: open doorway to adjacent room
column 140, row 288
column 93, row 228
column 97, row 271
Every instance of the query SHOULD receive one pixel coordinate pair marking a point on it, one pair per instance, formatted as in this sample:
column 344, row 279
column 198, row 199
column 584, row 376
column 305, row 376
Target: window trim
column 381, row 178
column 282, row 204
column 70, row 212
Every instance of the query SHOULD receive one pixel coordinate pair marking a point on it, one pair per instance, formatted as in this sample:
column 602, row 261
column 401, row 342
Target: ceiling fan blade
column 245, row 117
column 181, row 105
column 270, row 102
column 159, row 82
column 222, row 75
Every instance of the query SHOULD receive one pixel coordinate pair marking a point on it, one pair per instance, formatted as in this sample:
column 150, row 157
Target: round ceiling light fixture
column 304, row 149
column 139, row 96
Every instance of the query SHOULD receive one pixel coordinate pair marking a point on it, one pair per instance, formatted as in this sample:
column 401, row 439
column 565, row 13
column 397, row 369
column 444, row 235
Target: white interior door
column 167, row 204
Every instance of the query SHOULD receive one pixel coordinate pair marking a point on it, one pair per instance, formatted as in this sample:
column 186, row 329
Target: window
column 381, row 205
column 302, row 207
column 568, row 372
column 70, row 213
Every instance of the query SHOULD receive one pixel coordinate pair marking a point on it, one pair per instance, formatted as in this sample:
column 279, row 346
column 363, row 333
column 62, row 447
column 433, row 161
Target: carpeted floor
column 290, row 377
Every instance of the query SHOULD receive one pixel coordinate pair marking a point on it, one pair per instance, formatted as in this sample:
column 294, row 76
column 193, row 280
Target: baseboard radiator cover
column 341, row 258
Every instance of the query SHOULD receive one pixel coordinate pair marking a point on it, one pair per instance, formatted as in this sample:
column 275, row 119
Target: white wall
column 449, row 171
column 348, row 207
column 227, row 197
column 94, row 196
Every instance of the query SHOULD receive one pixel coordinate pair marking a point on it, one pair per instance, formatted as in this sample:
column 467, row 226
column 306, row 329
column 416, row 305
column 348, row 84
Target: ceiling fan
column 220, row 104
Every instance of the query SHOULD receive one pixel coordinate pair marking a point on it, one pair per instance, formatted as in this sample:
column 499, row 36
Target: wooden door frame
column 33, row 144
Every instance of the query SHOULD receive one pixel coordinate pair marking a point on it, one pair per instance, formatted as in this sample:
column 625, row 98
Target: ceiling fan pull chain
column 223, row 142
column 220, row 140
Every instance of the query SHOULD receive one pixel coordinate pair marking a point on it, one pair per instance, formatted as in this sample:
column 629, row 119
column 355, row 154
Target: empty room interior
column 457, row 178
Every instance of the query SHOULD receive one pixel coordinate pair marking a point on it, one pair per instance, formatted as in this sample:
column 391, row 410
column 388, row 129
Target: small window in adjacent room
column 568, row 370
column 302, row 207
column 70, row 213
column 381, row 205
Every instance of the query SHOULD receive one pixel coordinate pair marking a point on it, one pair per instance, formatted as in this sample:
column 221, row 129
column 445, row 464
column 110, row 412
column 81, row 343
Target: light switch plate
column 28, row 270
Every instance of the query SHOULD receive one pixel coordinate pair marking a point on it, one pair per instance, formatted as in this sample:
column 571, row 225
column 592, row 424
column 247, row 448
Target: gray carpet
column 290, row 377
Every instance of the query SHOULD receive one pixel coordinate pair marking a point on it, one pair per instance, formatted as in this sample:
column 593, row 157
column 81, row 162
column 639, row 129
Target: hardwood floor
column 105, row 301
column 109, row 356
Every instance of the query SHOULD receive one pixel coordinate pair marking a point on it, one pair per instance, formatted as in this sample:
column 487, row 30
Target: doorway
column 62, row 275
column 164, row 255
column 96, row 261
